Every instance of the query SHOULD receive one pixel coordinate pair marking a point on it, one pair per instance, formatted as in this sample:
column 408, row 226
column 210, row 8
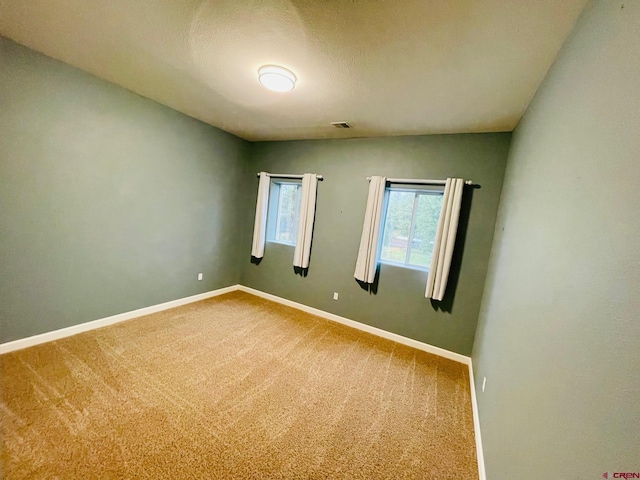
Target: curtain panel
column 302, row 252
column 367, row 261
column 445, row 239
column 260, row 224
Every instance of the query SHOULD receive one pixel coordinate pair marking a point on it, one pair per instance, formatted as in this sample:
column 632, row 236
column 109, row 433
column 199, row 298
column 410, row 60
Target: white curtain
column 445, row 239
column 260, row 225
column 305, row 221
column 367, row 261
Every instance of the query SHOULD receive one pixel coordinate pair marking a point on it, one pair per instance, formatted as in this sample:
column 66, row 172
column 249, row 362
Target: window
column 410, row 223
column 284, row 209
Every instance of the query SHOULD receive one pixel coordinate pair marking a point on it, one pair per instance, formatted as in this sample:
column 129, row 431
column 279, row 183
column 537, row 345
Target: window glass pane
column 397, row 226
column 424, row 231
column 287, row 219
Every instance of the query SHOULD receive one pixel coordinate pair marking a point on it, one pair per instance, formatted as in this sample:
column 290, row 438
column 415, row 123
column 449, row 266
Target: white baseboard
column 476, row 425
column 361, row 326
column 396, row 338
column 103, row 322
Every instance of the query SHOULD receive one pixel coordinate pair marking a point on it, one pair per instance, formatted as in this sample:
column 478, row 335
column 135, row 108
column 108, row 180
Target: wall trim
column 121, row 317
column 457, row 357
column 400, row 339
column 476, row 425
column 103, row 322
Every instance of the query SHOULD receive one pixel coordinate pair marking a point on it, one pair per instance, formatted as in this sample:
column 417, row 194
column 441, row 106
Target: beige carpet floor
column 233, row 387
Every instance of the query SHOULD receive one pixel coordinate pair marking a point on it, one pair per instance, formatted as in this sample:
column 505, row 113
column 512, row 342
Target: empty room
column 290, row 239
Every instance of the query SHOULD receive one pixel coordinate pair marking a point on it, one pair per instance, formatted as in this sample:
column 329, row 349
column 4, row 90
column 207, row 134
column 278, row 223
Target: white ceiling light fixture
column 276, row 78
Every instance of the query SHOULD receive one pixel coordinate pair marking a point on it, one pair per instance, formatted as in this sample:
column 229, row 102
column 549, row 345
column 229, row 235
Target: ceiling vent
column 341, row 124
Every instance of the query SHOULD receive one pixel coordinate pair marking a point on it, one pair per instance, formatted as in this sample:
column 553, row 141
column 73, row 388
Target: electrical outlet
column 199, row 276
column 335, row 295
column 484, row 382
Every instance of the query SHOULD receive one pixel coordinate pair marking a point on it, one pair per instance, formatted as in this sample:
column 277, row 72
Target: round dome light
column 276, row 78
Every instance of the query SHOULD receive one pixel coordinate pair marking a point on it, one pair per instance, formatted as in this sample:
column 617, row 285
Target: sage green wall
column 109, row 202
column 399, row 305
column 560, row 327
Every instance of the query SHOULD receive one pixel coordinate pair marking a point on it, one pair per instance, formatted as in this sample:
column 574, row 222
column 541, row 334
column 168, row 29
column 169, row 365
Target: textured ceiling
column 387, row 67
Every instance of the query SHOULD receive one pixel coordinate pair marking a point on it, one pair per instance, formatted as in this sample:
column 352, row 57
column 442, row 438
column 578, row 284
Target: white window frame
column 273, row 215
column 417, row 190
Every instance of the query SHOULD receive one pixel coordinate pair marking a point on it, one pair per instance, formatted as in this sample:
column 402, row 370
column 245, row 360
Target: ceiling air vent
column 341, row 124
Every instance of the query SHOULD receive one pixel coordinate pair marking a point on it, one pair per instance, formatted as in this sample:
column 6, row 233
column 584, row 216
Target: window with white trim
column 284, row 211
column 410, row 222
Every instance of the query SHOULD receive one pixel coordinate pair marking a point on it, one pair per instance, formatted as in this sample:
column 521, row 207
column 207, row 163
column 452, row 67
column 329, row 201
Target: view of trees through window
column 287, row 218
column 410, row 226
